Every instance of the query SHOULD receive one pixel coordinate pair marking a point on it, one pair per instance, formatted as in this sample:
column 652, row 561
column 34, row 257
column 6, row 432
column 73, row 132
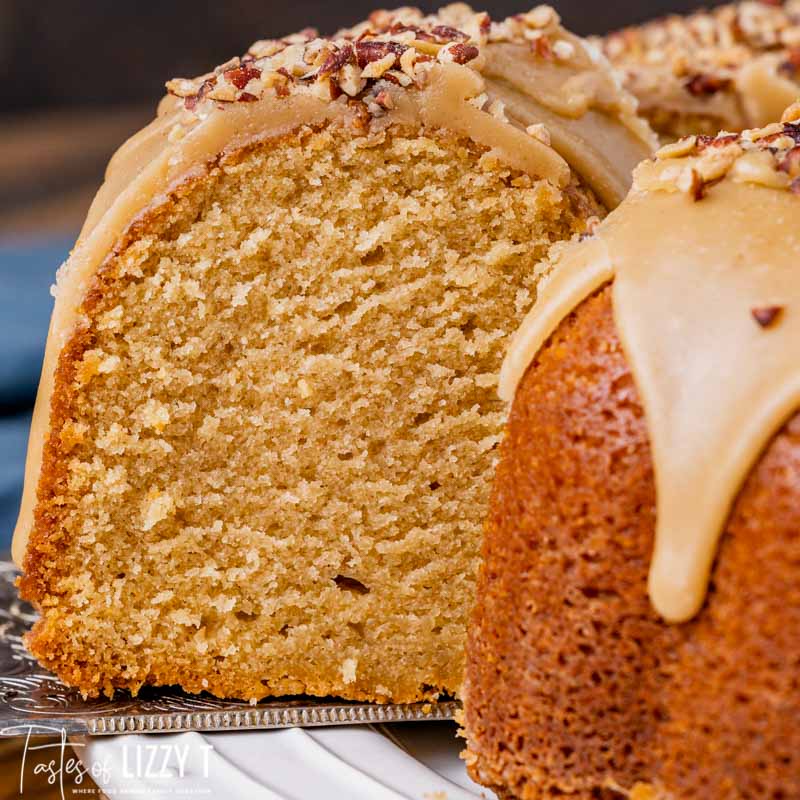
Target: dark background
column 66, row 54
column 76, row 79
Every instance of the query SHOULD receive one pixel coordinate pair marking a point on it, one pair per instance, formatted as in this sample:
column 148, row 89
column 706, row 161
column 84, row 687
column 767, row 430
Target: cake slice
column 267, row 421
column 729, row 68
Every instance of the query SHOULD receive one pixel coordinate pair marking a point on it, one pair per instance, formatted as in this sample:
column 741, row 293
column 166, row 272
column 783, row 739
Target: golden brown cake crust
column 574, row 685
column 48, row 542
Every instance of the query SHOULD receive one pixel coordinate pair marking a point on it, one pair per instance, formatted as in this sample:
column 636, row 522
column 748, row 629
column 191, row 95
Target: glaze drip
column 694, row 267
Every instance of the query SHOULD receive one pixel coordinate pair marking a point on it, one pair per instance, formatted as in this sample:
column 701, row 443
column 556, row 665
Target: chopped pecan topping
column 444, row 33
column 790, row 66
column 419, row 33
column 384, row 99
column 716, row 141
column 683, row 147
column 792, row 129
column 792, row 114
column 397, row 47
column 767, row 157
column 766, row 316
column 693, row 184
column 242, row 75
column 334, row 88
column 790, row 163
column 463, row 53
column 704, row 51
column 337, row 59
column 205, row 87
column 563, row 50
column 701, row 85
column 369, row 51
column 542, row 48
column 282, row 84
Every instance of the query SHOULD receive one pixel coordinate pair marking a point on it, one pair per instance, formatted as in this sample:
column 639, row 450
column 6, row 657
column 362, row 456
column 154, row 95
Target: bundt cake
column 733, row 67
column 263, row 444
column 637, row 627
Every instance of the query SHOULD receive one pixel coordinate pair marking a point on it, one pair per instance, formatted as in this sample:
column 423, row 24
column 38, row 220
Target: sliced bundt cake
column 733, row 67
column 654, row 432
column 262, row 449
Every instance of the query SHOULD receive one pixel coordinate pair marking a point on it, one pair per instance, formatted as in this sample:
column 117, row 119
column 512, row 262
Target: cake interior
column 272, row 443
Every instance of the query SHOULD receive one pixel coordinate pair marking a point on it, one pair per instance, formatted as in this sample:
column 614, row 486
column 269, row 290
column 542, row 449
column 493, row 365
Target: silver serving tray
column 34, row 702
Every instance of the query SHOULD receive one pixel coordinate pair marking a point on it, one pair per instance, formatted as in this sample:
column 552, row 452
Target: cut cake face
column 261, row 454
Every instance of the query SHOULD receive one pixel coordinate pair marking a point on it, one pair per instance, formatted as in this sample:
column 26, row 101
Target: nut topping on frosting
column 707, row 47
column 736, row 66
column 768, row 156
column 765, row 316
column 396, row 47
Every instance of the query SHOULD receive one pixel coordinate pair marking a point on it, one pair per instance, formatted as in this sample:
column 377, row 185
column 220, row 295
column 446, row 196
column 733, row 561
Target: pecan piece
column 242, row 75
column 445, row 33
column 337, row 59
column 792, row 129
column 462, row 53
column 384, row 99
column 367, row 52
column 790, row 163
column 766, row 316
column 700, row 85
column 334, row 88
column 419, row 34
column 791, row 65
column 704, row 142
column 190, row 103
column 691, row 182
column 282, row 86
column 542, row 48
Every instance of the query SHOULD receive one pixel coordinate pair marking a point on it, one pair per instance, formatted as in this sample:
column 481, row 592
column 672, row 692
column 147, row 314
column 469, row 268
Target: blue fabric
column 26, row 274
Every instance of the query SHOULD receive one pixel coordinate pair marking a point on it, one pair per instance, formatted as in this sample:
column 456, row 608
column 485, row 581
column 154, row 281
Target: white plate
column 406, row 761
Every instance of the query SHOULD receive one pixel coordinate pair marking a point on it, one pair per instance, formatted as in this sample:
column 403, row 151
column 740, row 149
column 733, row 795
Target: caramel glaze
column 592, row 123
column 690, row 273
column 575, row 687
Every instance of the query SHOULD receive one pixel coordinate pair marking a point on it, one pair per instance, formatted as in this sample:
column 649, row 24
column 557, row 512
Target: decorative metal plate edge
column 271, row 718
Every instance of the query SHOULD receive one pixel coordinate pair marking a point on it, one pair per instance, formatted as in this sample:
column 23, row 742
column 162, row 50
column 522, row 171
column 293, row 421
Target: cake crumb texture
column 272, row 439
column 574, row 685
